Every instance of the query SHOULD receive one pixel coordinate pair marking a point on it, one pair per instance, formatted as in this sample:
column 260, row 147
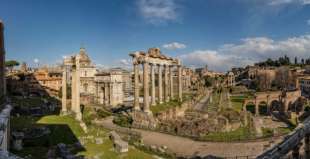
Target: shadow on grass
column 36, row 114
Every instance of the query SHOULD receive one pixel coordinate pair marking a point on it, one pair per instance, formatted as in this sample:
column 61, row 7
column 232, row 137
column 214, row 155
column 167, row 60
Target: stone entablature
column 151, row 60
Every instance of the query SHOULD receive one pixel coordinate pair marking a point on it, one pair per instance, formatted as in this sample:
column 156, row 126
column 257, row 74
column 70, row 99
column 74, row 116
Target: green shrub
column 122, row 120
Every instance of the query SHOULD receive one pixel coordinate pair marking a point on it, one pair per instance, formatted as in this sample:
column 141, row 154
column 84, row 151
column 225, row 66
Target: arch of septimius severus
column 165, row 65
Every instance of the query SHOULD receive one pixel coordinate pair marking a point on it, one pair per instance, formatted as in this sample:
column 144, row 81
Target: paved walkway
column 187, row 147
column 203, row 102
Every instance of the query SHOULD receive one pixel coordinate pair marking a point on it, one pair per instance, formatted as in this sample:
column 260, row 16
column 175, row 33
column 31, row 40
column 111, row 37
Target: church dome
column 83, row 57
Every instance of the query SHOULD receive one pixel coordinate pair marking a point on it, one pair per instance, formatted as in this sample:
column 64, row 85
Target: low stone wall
column 175, row 112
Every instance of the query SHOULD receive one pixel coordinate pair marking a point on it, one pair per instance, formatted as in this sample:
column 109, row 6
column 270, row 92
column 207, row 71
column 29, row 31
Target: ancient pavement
column 203, row 102
column 187, row 147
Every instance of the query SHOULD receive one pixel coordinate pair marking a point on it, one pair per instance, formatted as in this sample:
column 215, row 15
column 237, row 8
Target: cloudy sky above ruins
column 219, row 33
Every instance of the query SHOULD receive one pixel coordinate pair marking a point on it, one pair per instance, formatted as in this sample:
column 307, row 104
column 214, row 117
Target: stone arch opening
column 85, row 87
column 275, row 105
column 250, row 107
column 263, row 108
column 299, row 105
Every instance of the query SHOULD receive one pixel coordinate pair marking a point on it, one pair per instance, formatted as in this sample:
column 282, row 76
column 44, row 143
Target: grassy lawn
column 237, row 102
column 243, row 133
column 165, row 106
column 64, row 129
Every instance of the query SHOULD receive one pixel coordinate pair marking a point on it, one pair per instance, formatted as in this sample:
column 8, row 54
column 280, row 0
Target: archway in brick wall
column 275, row 105
column 263, row 108
column 250, row 107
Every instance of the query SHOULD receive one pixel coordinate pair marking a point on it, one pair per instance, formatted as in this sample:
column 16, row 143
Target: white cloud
column 305, row 2
column 158, row 11
column 36, row 60
column 174, row 46
column 282, row 2
column 249, row 51
column 279, row 2
column 125, row 62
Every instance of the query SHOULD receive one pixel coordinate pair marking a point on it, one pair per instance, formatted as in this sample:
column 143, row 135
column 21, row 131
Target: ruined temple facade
column 2, row 61
column 154, row 61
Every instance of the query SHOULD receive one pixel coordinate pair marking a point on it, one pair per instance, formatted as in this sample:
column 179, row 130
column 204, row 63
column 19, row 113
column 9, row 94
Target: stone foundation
column 143, row 120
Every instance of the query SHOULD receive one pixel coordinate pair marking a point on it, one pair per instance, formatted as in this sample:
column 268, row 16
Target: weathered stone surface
column 99, row 141
column 17, row 140
column 143, row 120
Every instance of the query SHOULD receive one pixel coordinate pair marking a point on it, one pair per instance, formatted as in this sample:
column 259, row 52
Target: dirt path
column 187, row 147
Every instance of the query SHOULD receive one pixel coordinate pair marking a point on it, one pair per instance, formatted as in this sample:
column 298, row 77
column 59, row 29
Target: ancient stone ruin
column 151, row 60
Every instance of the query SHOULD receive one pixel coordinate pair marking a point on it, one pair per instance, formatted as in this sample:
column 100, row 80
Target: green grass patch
column 240, row 134
column 65, row 129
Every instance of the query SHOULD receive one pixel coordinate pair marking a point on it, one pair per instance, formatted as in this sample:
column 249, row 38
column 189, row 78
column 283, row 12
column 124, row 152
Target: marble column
column 166, row 83
column 307, row 146
column 111, row 102
column 171, row 82
column 136, row 85
column 153, row 101
column 257, row 109
column 180, row 83
column 106, row 94
column 73, row 89
column 146, row 102
column 78, row 84
column 64, row 90
column 160, row 84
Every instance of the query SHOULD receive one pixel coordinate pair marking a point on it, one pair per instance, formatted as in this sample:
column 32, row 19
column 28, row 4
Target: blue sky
column 220, row 33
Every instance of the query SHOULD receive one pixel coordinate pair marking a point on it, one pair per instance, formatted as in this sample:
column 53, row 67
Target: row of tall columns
column 168, row 85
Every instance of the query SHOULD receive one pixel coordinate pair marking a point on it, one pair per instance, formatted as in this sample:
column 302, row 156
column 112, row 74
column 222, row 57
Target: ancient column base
column 64, row 112
column 78, row 116
column 148, row 112
column 137, row 108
